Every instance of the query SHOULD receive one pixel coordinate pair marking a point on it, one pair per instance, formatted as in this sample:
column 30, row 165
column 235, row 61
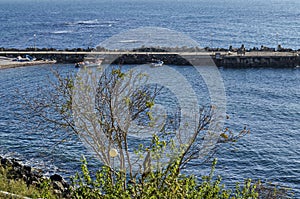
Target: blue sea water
column 219, row 23
column 267, row 100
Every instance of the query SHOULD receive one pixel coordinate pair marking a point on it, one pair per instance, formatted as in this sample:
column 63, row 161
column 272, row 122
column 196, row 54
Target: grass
column 19, row 187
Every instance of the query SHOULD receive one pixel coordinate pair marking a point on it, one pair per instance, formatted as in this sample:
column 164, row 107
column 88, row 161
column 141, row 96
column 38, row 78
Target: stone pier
column 221, row 59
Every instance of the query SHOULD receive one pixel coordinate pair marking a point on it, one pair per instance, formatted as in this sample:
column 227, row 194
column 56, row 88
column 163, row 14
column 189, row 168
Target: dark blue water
column 267, row 100
column 67, row 24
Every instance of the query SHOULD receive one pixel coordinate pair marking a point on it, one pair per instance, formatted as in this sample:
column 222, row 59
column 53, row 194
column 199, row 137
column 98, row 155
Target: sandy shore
column 6, row 62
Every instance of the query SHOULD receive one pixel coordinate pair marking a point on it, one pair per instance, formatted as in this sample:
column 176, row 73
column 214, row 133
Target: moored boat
column 94, row 63
column 157, row 64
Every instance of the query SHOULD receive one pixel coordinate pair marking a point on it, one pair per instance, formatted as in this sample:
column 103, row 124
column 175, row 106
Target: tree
column 121, row 104
column 106, row 116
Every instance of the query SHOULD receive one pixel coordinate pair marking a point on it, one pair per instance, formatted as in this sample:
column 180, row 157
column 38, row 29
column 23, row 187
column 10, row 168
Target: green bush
column 167, row 183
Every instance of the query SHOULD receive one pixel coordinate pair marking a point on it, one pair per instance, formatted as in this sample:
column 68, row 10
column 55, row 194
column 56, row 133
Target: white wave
column 91, row 22
column 88, row 22
column 82, row 22
column 62, row 32
column 129, row 41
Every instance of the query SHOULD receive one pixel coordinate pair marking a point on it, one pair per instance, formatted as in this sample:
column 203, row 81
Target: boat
column 94, row 63
column 157, row 64
column 30, row 58
column 79, row 64
column 26, row 59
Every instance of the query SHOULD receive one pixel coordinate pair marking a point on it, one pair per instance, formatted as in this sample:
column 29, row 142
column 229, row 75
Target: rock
column 58, row 185
column 27, row 169
column 16, row 164
column 6, row 162
column 56, row 177
column 34, row 176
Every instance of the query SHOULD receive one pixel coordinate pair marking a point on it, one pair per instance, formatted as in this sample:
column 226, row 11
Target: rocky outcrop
column 16, row 170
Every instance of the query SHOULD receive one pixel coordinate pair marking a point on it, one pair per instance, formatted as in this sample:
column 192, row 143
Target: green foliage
column 45, row 189
column 19, row 187
column 166, row 183
column 119, row 73
column 108, row 184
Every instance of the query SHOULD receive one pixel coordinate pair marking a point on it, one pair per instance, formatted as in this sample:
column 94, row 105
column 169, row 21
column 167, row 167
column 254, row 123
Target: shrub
column 166, row 183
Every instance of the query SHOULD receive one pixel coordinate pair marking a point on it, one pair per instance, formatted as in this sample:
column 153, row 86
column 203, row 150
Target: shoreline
column 6, row 63
column 33, row 176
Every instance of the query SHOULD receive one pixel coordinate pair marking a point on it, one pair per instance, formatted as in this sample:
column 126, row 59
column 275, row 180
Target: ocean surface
column 267, row 100
column 220, row 23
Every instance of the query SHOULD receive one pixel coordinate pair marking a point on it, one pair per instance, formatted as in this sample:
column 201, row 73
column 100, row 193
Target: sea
column 265, row 100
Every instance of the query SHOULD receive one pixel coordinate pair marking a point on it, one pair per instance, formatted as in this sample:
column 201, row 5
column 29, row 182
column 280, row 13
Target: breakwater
column 220, row 57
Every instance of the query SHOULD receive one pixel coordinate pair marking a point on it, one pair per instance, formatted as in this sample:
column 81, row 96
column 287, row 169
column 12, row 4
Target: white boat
column 95, row 63
column 26, row 59
column 79, row 64
column 157, row 64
